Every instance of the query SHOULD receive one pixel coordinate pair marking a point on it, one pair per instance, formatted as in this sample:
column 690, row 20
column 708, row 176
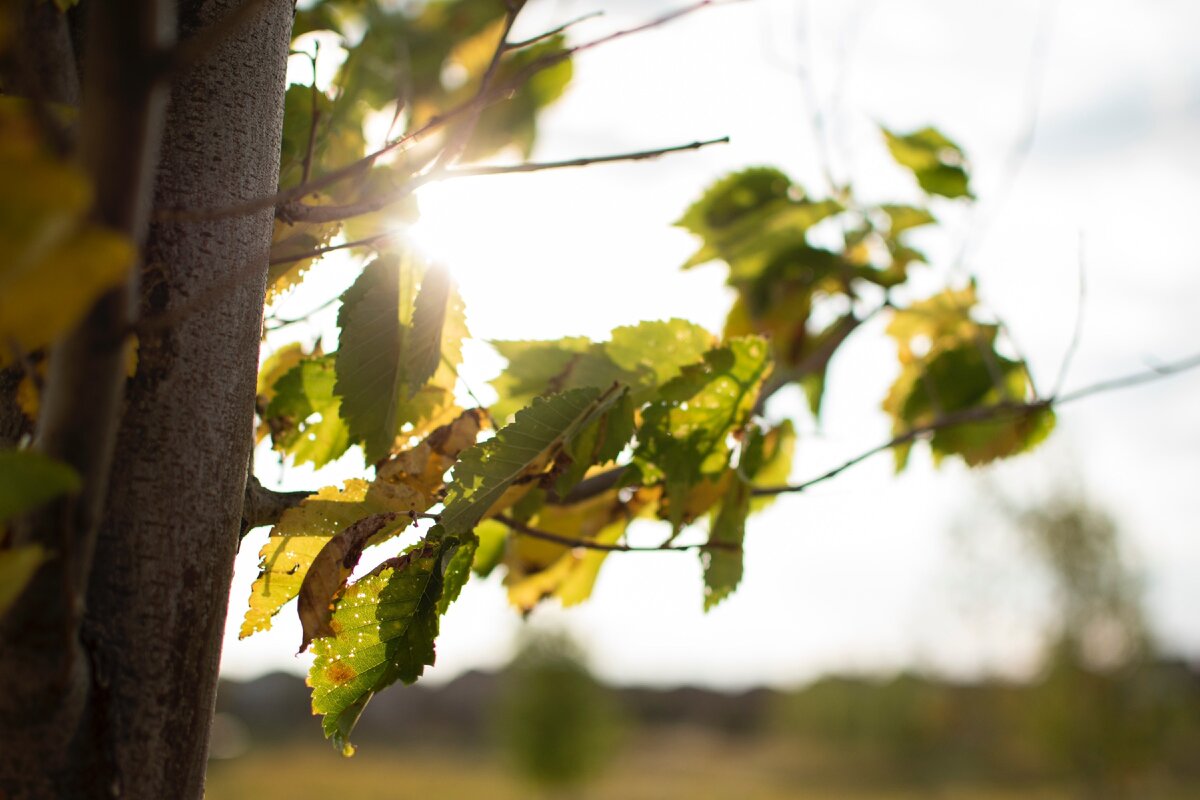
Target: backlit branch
column 991, row 413
column 314, row 214
column 495, row 93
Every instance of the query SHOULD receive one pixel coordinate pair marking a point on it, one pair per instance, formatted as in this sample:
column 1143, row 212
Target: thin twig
column 313, row 214
column 316, row 117
column 462, row 136
column 522, row 529
column 1077, row 331
column 275, row 324
column 1133, row 379
column 540, row 166
column 501, row 91
column 366, row 241
column 981, row 223
column 991, row 413
column 550, row 34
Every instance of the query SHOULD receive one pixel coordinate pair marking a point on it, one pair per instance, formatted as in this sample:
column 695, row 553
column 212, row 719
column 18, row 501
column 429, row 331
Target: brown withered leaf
column 330, row 570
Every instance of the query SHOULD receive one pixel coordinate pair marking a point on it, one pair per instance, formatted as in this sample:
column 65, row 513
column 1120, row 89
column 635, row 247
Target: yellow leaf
column 410, row 481
column 292, row 245
column 56, row 262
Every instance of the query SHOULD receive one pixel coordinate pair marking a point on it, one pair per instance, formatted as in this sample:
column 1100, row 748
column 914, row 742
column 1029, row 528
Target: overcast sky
column 862, row 572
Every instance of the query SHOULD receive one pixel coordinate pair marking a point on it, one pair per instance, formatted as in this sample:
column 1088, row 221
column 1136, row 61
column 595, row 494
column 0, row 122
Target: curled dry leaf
column 329, row 572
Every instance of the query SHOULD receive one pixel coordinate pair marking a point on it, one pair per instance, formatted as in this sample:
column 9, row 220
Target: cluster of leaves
column 663, row 420
column 413, row 67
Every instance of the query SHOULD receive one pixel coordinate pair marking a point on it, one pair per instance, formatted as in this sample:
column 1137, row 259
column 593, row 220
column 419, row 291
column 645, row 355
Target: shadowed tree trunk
column 121, row 704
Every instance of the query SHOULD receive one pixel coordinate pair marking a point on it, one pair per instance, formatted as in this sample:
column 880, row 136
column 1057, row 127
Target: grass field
column 683, row 765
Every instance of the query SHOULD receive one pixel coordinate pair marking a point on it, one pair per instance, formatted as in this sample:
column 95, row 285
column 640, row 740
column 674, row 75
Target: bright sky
column 861, row 573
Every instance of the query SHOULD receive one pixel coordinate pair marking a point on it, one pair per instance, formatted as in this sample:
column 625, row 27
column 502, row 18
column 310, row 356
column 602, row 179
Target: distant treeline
column 1106, row 730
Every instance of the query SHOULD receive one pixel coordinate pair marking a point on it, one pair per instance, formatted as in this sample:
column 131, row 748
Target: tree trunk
column 158, row 587
column 164, row 558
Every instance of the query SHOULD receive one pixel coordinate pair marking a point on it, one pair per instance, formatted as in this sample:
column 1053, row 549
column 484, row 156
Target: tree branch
column 499, row 92
column 541, row 37
column 521, row 529
column 263, row 506
column 1077, row 328
column 989, row 414
column 310, row 214
column 299, row 212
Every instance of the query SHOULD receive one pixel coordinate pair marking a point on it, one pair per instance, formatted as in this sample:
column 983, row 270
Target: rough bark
column 123, row 709
column 164, row 558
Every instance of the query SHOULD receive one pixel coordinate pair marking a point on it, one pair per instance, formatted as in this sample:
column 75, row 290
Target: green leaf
column 304, row 415
column 375, row 356
column 903, row 218
column 745, row 214
column 492, row 536
column 29, row 479
column 771, row 461
column 723, row 563
column 522, row 449
column 299, row 537
column 600, row 442
column 339, row 138
column 276, row 365
column 544, row 368
column 936, row 162
column 410, row 481
column 938, row 322
column 683, row 435
column 384, row 628
column 429, row 318
column 661, row 348
column 17, row 567
column 968, row 375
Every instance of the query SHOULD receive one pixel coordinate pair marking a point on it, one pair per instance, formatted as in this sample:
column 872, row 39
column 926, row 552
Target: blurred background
column 1027, row 630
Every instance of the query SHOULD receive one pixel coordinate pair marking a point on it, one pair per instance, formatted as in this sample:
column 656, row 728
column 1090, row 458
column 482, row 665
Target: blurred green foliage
column 558, row 724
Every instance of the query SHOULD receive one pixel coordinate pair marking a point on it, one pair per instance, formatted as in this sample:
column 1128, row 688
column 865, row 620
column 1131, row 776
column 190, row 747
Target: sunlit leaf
column 940, row 321
column 661, row 348
column 745, row 214
column 518, row 452
column 294, row 246
column 772, row 464
column 371, row 647
column 492, row 536
column 684, row 434
column 722, row 561
column 537, row 568
column 936, row 162
column 374, row 357
column 424, row 350
column 969, row 375
column 303, row 416
column 409, row 481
